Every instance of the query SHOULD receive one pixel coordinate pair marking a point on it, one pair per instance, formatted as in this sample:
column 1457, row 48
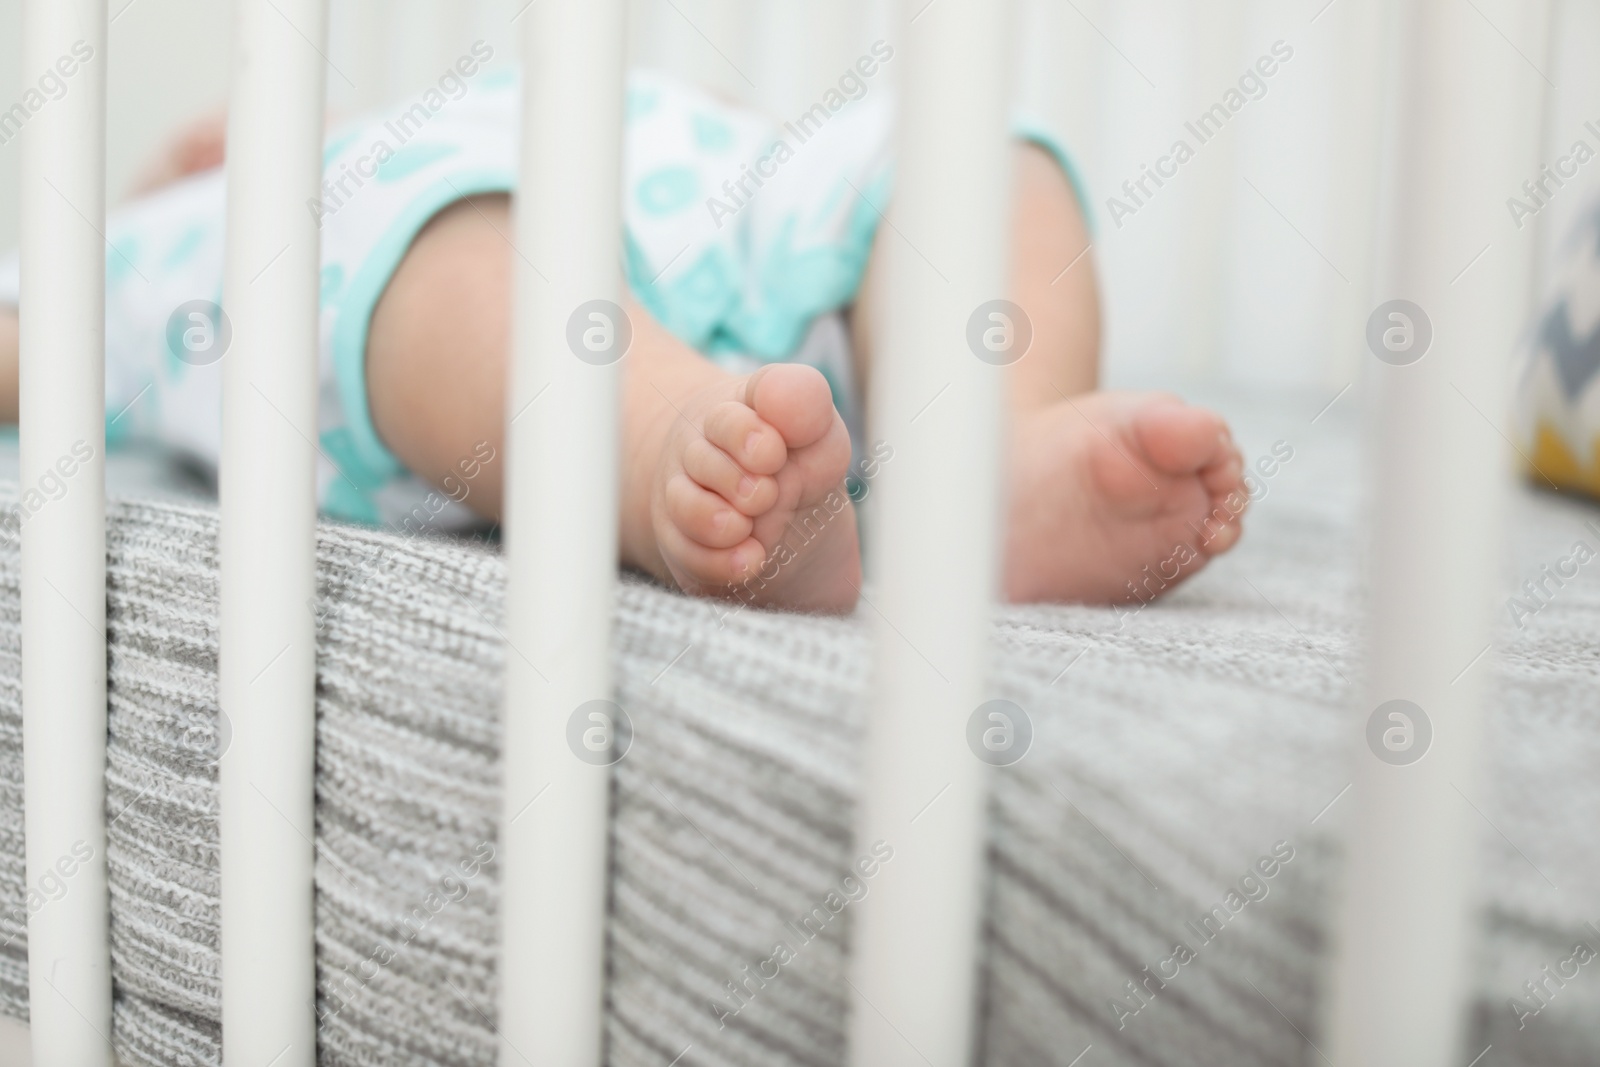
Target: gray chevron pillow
column 1559, row 394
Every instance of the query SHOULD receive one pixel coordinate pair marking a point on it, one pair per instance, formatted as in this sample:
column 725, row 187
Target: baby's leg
column 9, row 362
column 730, row 485
column 1053, row 278
column 1114, row 496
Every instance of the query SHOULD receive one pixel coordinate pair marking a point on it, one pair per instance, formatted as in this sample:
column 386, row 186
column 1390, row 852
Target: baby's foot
column 1118, row 496
column 748, row 498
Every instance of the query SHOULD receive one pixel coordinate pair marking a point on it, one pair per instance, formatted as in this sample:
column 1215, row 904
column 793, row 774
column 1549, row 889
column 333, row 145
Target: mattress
column 1180, row 750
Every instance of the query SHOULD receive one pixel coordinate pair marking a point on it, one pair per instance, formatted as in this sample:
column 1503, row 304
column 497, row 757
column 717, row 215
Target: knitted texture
column 1175, row 746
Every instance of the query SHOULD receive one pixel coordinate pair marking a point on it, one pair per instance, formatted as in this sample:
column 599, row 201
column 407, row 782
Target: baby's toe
column 823, row 464
column 711, row 467
column 793, row 398
column 1225, row 475
column 1223, row 522
column 736, row 429
column 703, row 516
column 1179, row 439
column 1221, row 537
column 700, row 568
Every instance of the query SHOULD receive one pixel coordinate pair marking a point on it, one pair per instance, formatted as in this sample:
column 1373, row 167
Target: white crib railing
column 63, row 543
column 267, row 547
column 561, row 535
column 1403, row 927
column 1459, row 139
column 915, row 947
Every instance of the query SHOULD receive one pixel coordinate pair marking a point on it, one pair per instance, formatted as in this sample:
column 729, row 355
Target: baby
column 752, row 250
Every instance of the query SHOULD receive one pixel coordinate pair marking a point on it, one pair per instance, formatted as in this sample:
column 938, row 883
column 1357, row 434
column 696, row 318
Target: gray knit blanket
column 1181, row 752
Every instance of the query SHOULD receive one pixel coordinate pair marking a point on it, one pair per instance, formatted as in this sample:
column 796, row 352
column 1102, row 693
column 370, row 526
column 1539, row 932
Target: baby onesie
column 743, row 235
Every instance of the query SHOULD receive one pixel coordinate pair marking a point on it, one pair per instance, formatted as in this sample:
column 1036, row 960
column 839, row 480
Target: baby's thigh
column 8, row 365
column 438, row 347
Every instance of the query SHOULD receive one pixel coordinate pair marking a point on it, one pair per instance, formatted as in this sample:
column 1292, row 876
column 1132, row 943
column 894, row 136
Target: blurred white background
column 1253, row 264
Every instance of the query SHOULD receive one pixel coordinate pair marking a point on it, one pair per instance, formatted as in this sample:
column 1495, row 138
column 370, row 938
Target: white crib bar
column 1463, row 133
column 913, row 963
column 63, row 540
column 268, row 538
column 561, row 533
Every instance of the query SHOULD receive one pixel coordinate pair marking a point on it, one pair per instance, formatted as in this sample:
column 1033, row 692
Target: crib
column 1460, row 133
